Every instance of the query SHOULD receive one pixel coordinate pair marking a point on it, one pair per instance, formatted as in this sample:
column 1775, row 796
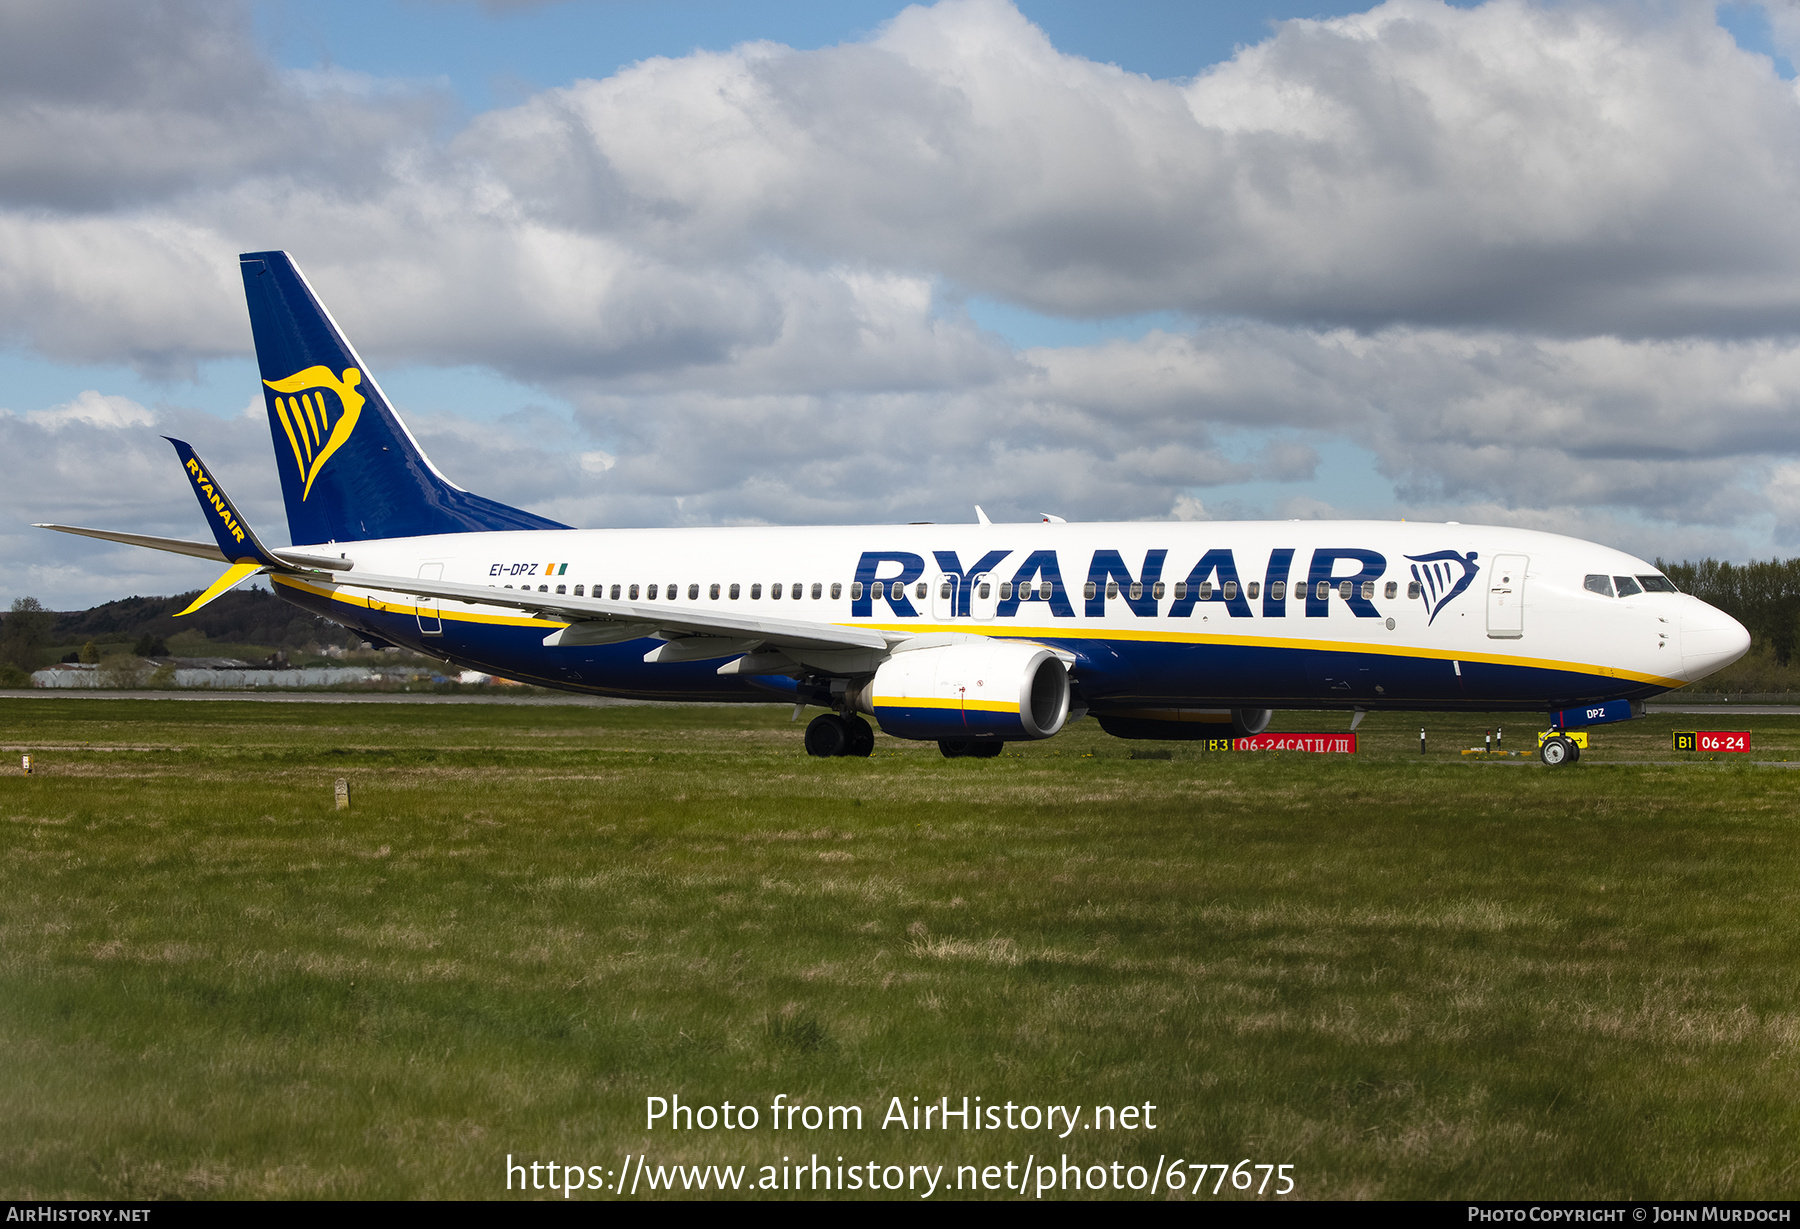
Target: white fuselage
column 1269, row 613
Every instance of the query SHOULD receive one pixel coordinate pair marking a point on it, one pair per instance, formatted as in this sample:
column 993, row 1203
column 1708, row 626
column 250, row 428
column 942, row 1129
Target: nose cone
column 1710, row 639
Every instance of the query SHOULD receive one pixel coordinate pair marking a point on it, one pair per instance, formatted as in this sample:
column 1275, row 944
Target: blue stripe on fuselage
column 1117, row 671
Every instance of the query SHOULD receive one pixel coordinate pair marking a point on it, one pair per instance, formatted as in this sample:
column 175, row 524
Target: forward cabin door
column 429, row 622
column 1506, row 597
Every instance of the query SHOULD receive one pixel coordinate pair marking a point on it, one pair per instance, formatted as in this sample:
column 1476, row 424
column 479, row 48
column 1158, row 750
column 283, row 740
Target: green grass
column 1406, row 976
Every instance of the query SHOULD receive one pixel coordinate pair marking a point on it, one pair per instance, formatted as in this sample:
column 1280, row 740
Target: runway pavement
column 401, row 697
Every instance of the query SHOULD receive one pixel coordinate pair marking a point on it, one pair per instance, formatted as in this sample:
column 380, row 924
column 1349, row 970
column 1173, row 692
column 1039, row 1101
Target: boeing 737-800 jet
column 969, row 635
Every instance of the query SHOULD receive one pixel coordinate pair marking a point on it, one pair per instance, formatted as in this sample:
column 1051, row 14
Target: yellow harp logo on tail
column 314, row 429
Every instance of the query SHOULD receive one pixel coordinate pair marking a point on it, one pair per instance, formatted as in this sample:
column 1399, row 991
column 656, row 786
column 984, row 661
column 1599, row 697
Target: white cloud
column 96, row 410
column 1539, row 261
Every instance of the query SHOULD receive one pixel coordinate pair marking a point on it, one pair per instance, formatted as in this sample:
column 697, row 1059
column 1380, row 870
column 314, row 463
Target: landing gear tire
column 972, row 748
column 862, row 738
column 1557, row 751
column 828, row 735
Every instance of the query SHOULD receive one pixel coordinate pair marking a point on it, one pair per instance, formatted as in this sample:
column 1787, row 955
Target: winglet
column 235, row 573
column 236, row 538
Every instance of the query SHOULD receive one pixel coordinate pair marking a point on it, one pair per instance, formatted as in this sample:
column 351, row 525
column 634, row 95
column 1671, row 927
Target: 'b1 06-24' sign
column 1712, row 740
column 1322, row 744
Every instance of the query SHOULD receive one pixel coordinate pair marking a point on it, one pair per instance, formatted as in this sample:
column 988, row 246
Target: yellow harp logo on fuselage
column 314, row 429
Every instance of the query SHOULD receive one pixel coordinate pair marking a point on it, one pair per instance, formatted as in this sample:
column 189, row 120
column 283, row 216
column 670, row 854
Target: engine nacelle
column 986, row 689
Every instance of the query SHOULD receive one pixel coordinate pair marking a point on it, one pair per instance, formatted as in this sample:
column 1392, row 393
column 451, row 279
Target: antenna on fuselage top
column 981, row 518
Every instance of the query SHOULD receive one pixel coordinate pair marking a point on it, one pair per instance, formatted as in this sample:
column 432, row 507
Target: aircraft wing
column 680, row 619
column 199, row 550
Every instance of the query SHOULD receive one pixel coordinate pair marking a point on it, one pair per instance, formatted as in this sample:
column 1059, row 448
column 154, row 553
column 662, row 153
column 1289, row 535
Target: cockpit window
column 1627, row 586
column 1595, row 583
column 1657, row 584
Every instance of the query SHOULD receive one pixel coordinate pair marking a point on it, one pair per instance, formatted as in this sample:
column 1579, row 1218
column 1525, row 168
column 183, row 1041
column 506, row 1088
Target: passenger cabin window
column 816, row 591
column 984, row 590
column 1137, row 590
column 1627, row 586
column 1181, row 590
column 1206, row 590
column 775, row 592
column 855, row 591
column 1005, row 590
column 1324, row 590
column 1278, row 590
column 674, row 592
column 1231, row 590
column 562, row 588
column 735, row 590
column 651, row 593
column 755, row 592
column 577, row 590
column 1252, row 589
column 878, row 590
column 634, row 589
column 543, row 588
column 920, row 590
column 1112, row 588
column 693, row 593
column 1090, row 590
column 615, row 593
column 713, row 592
column 1156, row 590
column 1596, row 583
column 1368, row 590
column 1658, row 584
column 1345, row 589
column 1412, row 590
column 1391, row 590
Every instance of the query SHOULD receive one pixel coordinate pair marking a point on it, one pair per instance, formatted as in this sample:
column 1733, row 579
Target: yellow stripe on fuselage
column 1065, row 632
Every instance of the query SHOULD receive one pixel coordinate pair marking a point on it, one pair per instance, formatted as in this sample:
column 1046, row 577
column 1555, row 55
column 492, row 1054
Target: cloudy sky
column 700, row 263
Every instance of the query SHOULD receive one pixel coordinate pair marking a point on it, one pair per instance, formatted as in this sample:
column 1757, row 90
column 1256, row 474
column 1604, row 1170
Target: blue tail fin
column 350, row 470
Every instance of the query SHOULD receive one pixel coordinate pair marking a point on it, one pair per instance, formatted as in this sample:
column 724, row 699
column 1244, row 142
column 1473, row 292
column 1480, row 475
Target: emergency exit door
column 429, row 622
column 1506, row 597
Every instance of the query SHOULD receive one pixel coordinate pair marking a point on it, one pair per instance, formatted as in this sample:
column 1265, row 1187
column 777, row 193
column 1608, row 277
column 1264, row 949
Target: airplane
column 971, row 635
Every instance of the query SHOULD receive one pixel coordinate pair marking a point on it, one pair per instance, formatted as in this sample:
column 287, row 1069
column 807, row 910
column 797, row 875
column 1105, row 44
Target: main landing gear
column 973, row 748
column 1558, row 750
column 831, row 735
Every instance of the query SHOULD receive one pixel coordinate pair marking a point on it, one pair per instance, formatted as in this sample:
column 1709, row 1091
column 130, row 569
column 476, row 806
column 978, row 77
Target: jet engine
column 985, row 689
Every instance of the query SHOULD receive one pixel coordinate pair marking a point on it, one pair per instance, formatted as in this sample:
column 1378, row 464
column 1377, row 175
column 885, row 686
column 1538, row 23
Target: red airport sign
column 1317, row 743
column 1712, row 740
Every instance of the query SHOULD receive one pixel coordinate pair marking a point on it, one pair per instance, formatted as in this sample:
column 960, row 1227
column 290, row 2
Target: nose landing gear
column 1558, row 750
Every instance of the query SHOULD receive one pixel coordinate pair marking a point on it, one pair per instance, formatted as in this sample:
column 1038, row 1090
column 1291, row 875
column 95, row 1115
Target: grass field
column 1403, row 976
